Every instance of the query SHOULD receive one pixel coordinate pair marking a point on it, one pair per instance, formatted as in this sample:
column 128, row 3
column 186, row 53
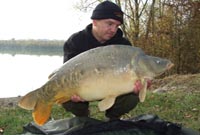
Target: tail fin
column 42, row 112
column 41, row 108
column 29, row 101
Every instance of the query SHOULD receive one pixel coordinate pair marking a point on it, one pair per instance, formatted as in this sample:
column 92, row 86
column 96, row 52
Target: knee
column 80, row 109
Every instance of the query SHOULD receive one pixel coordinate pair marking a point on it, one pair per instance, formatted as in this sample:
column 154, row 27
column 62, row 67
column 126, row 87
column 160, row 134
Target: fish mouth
column 169, row 66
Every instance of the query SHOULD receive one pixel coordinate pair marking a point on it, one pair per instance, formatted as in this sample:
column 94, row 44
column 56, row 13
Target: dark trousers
column 122, row 105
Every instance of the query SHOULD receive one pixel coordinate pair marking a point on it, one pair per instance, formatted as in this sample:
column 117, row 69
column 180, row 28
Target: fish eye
column 158, row 62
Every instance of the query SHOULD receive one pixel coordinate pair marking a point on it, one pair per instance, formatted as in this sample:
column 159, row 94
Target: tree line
column 32, row 47
column 166, row 28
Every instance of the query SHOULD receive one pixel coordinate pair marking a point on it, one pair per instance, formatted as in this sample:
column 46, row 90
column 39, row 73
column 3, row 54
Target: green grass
column 179, row 106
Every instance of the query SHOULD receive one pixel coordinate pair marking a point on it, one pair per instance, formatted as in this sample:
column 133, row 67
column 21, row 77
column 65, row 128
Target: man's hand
column 138, row 86
column 76, row 98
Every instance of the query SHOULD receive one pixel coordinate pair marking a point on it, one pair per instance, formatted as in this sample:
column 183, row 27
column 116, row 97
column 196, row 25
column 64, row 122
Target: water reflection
column 20, row 74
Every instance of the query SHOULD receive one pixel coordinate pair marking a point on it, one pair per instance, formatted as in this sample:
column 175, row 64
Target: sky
column 40, row 19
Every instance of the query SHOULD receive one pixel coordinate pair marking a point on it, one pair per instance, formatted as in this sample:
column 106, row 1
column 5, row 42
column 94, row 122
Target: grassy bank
column 176, row 106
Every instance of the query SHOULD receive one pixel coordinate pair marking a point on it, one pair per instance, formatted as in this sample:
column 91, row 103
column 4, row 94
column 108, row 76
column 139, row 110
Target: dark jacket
column 84, row 40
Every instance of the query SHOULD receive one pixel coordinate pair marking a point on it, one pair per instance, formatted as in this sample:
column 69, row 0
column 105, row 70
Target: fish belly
column 99, row 87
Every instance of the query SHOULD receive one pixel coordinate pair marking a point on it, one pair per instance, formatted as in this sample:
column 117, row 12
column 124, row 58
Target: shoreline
column 9, row 102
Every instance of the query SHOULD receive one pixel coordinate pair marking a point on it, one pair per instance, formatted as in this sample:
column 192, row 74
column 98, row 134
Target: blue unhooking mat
column 140, row 125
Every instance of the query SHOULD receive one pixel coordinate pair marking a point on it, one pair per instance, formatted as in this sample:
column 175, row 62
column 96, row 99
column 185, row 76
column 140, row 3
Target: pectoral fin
column 106, row 103
column 143, row 91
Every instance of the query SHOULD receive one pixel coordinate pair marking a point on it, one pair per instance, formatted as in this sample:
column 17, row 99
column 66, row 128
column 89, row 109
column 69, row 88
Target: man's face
column 105, row 29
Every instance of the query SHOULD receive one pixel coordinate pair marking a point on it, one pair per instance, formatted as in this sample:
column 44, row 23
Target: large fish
column 102, row 74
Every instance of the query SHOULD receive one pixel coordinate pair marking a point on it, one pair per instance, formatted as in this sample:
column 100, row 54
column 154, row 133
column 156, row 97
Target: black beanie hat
column 107, row 10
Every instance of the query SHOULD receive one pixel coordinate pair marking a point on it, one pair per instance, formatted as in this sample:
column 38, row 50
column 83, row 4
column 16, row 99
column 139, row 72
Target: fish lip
column 169, row 66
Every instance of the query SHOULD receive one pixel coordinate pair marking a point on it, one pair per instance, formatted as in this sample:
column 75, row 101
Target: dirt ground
column 189, row 82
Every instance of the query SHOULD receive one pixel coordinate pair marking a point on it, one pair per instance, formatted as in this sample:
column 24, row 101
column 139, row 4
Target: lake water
column 20, row 74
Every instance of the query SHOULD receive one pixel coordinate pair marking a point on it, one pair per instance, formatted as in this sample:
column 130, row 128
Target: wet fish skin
column 102, row 73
